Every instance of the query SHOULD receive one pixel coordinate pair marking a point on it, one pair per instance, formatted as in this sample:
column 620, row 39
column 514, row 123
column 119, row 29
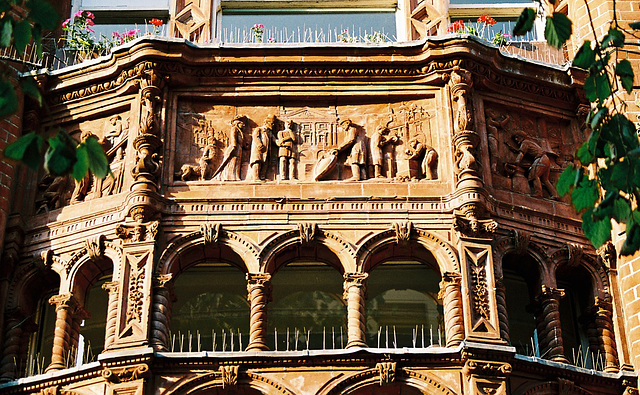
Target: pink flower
column 66, row 23
column 90, row 15
column 90, row 22
column 78, row 14
column 90, row 30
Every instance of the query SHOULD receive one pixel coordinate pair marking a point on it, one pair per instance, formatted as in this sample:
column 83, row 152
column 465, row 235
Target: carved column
column 66, row 306
column 13, row 338
column 259, row 294
column 163, row 297
column 112, row 313
column 549, row 330
column 451, row 296
column 605, row 342
column 503, row 316
column 354, row 293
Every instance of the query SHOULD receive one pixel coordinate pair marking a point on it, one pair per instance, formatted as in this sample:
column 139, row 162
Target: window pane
column 212, row 311
column 91, row 342
column 306, row 26
column 43, row 345
column 402, row 309
column 307, row 302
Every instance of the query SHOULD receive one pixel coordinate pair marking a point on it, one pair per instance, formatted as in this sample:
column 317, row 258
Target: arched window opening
column 211, row 312
column 402, row 309
column 522, row 281
column 308, row 311
column 41, row 342
column 575, row 318
column 92, row 326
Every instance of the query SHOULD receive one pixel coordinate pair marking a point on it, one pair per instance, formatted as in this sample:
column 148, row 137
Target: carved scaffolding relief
column 527, row 152
column 372, row 142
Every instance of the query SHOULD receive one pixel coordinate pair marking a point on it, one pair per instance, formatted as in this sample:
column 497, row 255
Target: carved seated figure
column 429, row 163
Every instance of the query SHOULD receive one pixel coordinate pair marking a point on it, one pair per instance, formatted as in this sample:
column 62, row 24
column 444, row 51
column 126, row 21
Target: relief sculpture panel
column 379, row 142
column 527, row 152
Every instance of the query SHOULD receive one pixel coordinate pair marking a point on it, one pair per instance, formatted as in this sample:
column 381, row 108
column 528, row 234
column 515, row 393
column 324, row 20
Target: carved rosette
column 549, row 330
column 451, row 296
column 163, row 297
column 259, row 294
column 66, row 308
column 354, row 294
column 112, row 313
column 147, row 144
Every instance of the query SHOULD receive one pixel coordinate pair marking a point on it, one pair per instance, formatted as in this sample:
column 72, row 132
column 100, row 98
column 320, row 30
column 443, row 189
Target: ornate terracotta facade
column 355, row 157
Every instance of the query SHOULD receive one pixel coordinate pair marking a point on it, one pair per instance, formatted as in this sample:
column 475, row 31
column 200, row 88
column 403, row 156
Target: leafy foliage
column 606, row 183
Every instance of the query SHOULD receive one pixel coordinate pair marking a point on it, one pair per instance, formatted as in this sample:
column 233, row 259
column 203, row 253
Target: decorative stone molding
column 307, row 232
column 229, row 375
column 467, row 222
column 608, row 255
column 402, row 231
column 211, row 233
column 575, row 253
column 95, row 246
column 126, row 374
column 139, row 232
column 113, row 288
column 387, row 372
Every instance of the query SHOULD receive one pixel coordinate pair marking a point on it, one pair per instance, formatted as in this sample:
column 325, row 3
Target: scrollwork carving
column 126, row 374
column 487, row 368
column 138, row 232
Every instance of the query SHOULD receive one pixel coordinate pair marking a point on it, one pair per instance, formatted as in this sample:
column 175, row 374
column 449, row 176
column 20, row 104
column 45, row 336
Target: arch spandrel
column 182, row 245
column 445, row 255
column 343, row 251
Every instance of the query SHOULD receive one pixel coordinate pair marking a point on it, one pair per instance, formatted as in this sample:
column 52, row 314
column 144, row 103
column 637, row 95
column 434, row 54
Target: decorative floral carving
column 387, row 371
column 126, row 374
column 402, row 231
column 487, row 368
column 138, row 232
column 136, row 290
column 211, row 232
column 307, row 232
column 466, row 221
column 229, row 375
column 95, row 246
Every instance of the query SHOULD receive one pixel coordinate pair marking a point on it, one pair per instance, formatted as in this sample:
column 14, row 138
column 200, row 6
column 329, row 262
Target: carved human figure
column 260, row 144
column 113, row 129
column 466, row 160
column 206, row 160
column 232, row 158
column 494, row 121
column 355, row 141
column 540, row 168
column 55, row 192
column 82, row 187
column 429, row 164
column 379, row 140
column 286, row 142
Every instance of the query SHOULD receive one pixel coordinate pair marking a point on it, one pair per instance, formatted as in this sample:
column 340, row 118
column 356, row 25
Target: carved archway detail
column 206, row 381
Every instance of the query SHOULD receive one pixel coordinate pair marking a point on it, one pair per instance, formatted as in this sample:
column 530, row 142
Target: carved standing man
column 540, row 168
column 232, row 159
column 260, row 144
column 379, row 140
column 285, row 142
column 358, row 156
column 493, row 123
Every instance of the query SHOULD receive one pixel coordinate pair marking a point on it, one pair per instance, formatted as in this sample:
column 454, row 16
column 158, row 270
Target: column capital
column 65, row 301
column 550, row 293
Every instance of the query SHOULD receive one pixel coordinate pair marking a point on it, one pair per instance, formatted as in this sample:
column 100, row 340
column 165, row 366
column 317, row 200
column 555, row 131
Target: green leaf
column 585, row 56
column 61, row 155
column 525, row 21
column 620, row 174
column 8, row 98
column 557, row 30
column 598, row 231
column 27, row 149
column 621, row 210
column 603, row 88
column 632, row 241
column 29, row 87
column 43, row 13
column 81, row 167
column 98, row 162
column 614, row 38
column 635, row 25
column 597, row 118
column 625, row 72
column 585, row 194
column 605, row 208
column 567, row 180
column 6, row 32
column 22, row 35
column 590, row 88
column 36, row 33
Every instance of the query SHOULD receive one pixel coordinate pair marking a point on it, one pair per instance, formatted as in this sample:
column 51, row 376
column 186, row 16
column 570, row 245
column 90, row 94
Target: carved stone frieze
column 387, row 372
column 229, row 375
column 126, row 374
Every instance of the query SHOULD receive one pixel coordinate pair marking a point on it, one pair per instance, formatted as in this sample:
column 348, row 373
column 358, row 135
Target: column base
column 257, row 346
column 54, row 366
column 356, row 344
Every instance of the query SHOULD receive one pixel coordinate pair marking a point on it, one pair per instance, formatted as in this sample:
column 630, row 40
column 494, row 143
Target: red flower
column 156, row 22
column 486, row 19
column 455, row 27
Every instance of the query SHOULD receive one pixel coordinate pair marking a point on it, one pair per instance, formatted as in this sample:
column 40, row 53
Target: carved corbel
column 466, row 221
column 139, row 232
column 95, row 246
column 608, row 255
column 402, row 231
column 229, row 375
column 211, row 233
column 387, row 372
column 521, row 240
column 487, row 368
column 574, row 252
column 126, row 374
column 307, row 232
column 51, row 261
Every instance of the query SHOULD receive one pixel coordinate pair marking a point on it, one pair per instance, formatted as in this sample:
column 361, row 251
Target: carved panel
column 384, row 141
